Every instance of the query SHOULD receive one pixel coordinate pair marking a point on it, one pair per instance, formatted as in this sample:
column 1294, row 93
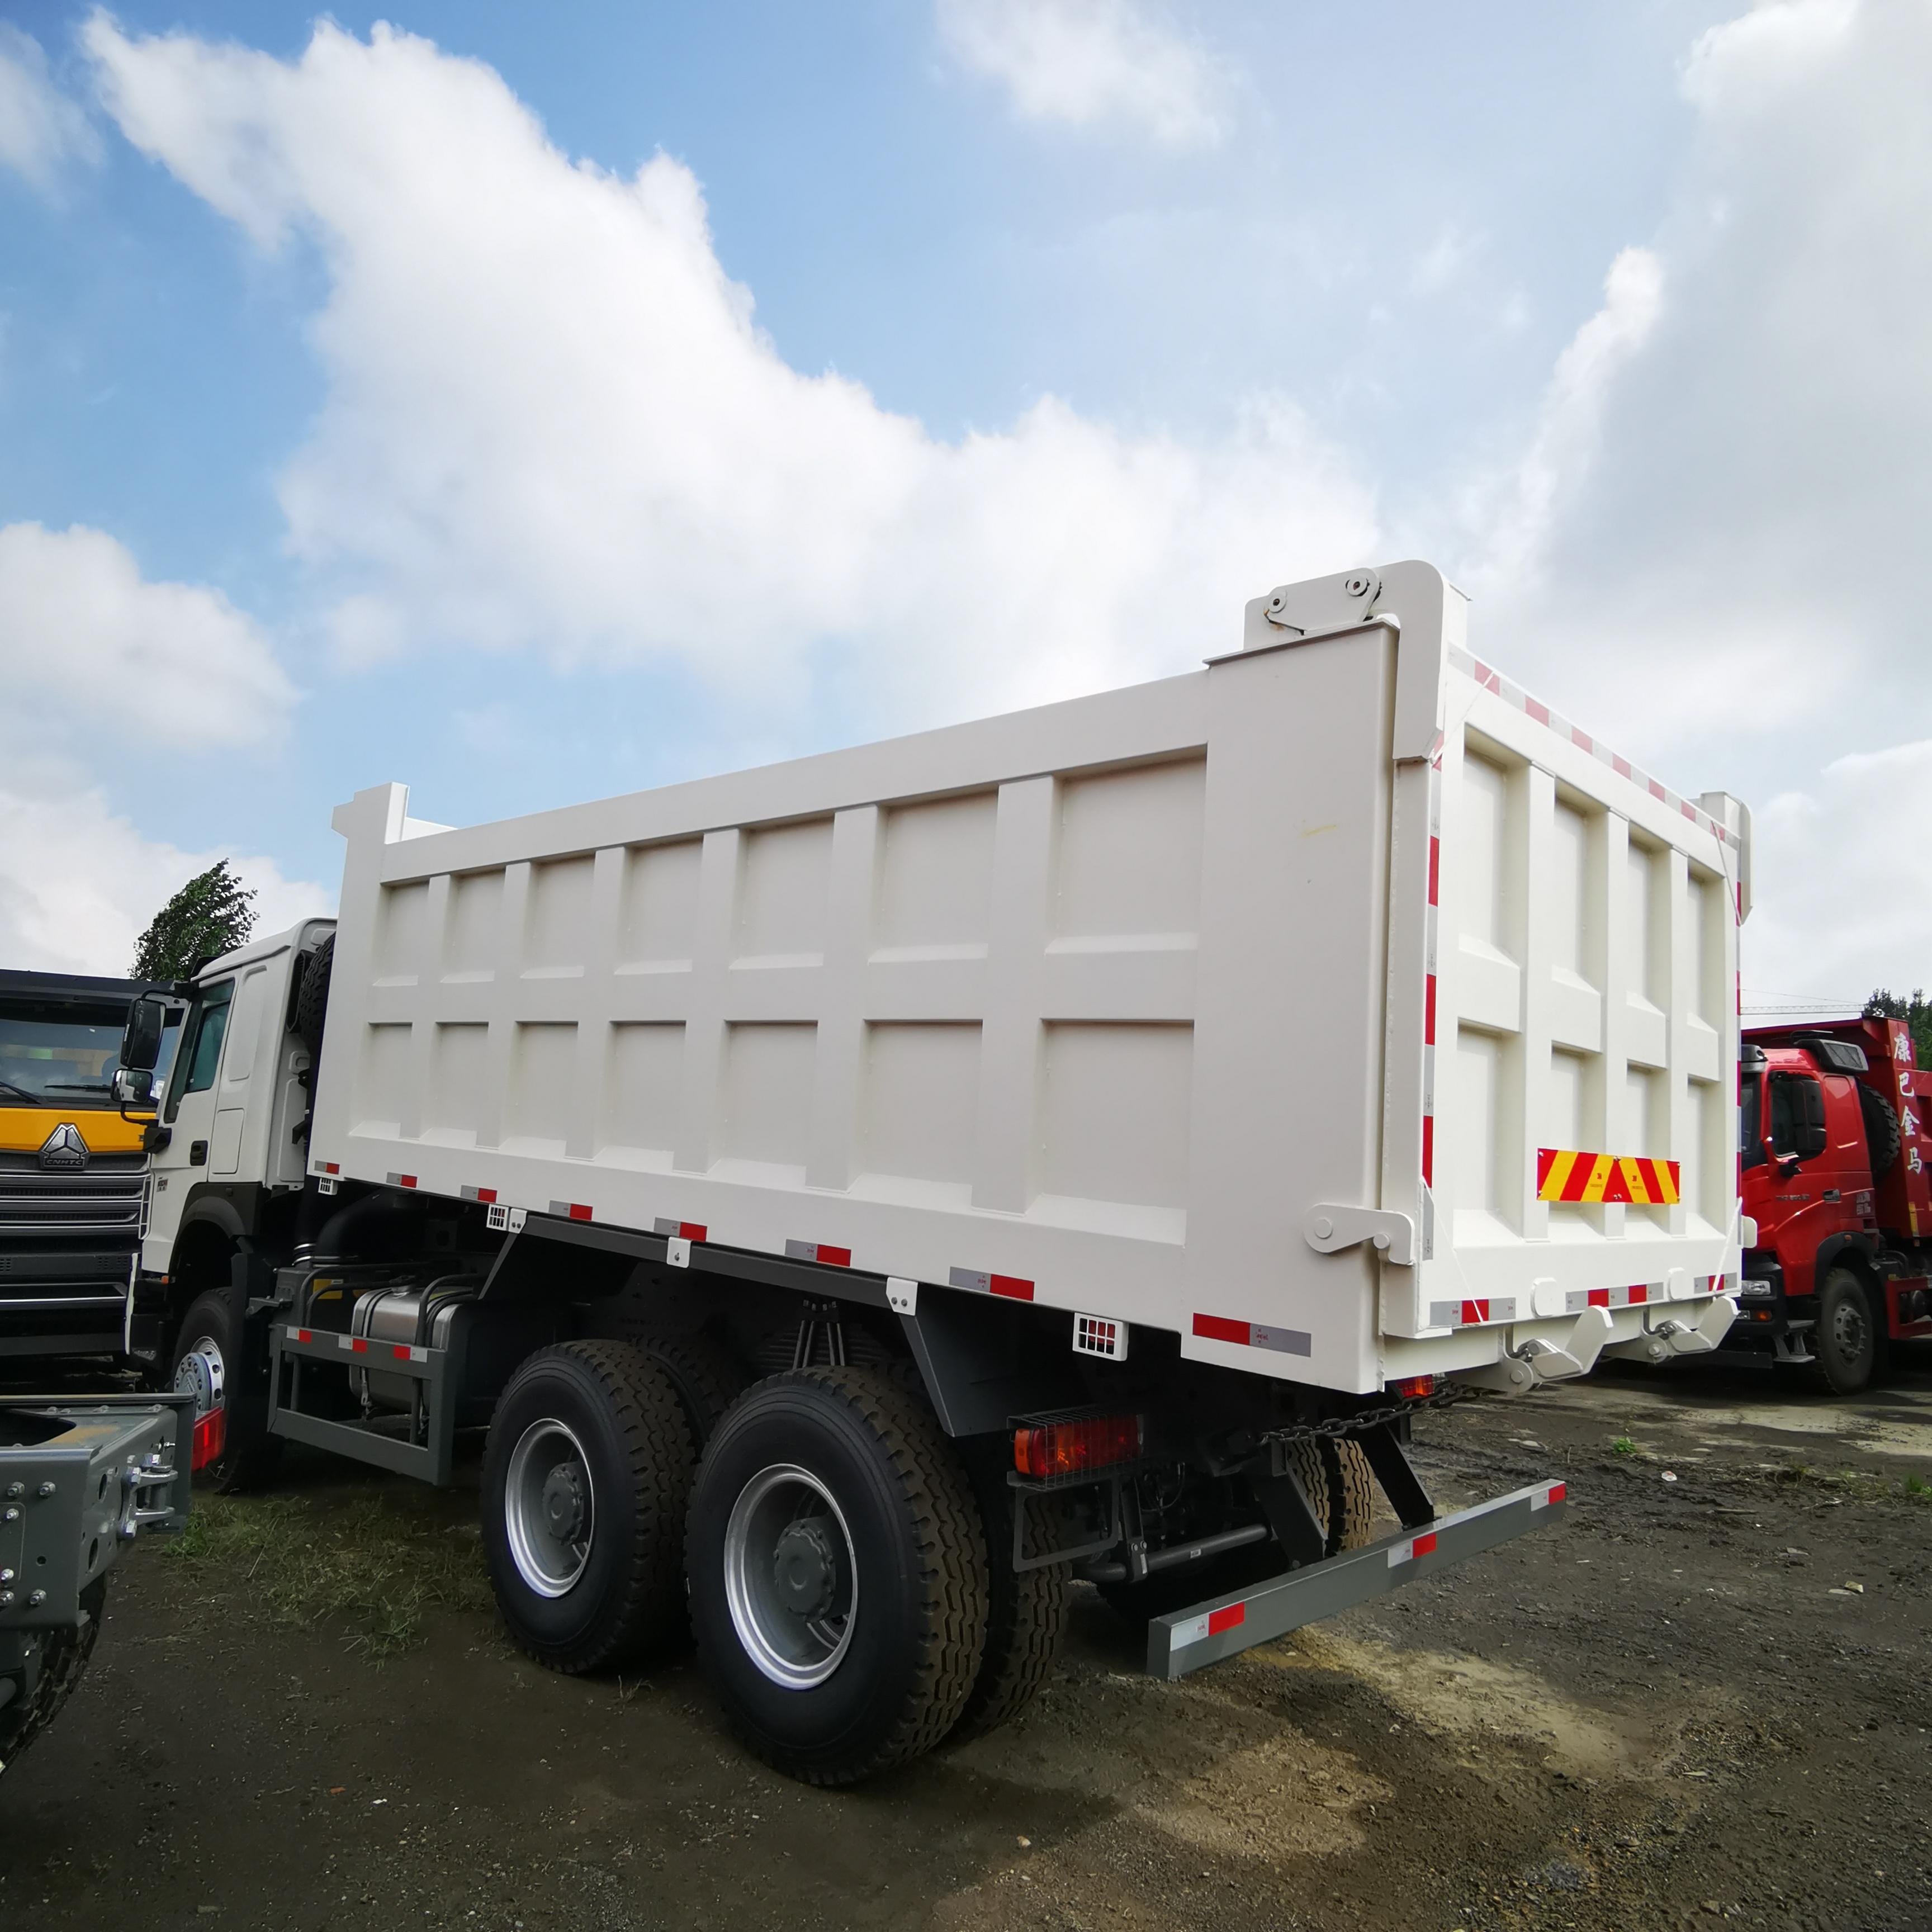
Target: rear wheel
column 706, row 1379
column 838, row 1574
column 1026, row 1609
column 64, row 1655
column 1846, row 1338
column 585, row 1477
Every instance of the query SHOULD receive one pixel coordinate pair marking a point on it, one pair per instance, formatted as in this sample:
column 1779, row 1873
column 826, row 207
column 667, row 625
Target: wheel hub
column 791, row 1577
column 563, row 1502
column 1848, row 1328
column 549, row 1508
column 200, row 1373
column 804, row 1570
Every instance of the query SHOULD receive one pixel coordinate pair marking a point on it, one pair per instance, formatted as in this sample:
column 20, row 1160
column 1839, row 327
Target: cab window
column 203, row 1059
column 1783, row 1141
column 1750, row 1120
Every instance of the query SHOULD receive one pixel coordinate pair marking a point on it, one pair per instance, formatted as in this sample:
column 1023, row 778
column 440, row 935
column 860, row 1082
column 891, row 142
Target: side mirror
column 141, row 1044
column 134, row 1087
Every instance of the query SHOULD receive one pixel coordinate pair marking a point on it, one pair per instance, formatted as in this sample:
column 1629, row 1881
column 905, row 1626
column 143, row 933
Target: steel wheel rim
column 791, row 1577
column 550, row 1540
column 202, row 1373
column 1848, row 1328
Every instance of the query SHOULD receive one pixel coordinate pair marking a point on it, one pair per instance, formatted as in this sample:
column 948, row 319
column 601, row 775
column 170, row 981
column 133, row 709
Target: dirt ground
column 1698, row 1700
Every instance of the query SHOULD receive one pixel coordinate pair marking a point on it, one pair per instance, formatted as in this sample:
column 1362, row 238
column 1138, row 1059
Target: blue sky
column 533, row 406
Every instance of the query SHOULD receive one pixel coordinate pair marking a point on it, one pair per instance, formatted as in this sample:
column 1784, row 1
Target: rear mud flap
column 1206, row 1633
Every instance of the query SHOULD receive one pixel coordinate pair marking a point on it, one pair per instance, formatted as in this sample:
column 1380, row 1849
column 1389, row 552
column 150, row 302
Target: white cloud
column 101, row 669
column 78, row 883
column 1842, row 844
column 83, row 638
column 1713, row 550
column 1727, row 494
column 1106, row 63
column 551, row 422
column 40, row 129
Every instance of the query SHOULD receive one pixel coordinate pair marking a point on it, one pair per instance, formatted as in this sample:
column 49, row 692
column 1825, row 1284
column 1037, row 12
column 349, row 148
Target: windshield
column 49, row 1058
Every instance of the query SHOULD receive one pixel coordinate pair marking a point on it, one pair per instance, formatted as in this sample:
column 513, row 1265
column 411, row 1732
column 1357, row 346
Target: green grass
column 375, row 1564
column 1622, row 1445
column 1858, row 1483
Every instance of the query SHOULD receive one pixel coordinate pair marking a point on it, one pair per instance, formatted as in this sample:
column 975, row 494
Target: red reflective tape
column 1474, row 1312
column 1219, row 1328
column 1690, row 813
column 1599, row 1297
column 400, row 1350
column 1656, row 789
column 1435, row 866
column 1546, row 1158
column 409, row 1180
column 1227, row 1618
column 1540, row 712
column 1008, row 1285
column 1424, row 1545
column 1558, row 1491
column 1581, row 739
column 1429, row 1011
column 1638, row 1292
column 359, row 1345
column 1429, row 1150
column 486, row 1194
column 1486, row 677
column 842, row 1257
column 303, row 1335
column 331, row 1167
column 578, row 1212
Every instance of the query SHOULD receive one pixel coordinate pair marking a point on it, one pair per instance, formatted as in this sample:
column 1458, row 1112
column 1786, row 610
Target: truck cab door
column 188, row 1114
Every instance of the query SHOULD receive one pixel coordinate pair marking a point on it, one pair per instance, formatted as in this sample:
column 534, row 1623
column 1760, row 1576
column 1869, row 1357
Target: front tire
column 585, row 1476
column 207, row 1364
column 838, row 1574
column 1846, row 1338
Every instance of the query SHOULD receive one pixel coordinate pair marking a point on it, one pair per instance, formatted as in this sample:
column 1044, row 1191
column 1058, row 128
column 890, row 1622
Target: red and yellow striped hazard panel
column 1563, row 1174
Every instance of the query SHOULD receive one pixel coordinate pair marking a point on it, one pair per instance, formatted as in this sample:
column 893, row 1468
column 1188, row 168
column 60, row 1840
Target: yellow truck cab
column 73, row 1167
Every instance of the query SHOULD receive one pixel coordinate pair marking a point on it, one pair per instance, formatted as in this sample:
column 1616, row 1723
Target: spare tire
column 1882, row 1135
column 312, row 996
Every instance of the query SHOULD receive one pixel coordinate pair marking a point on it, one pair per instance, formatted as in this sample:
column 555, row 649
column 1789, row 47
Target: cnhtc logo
column 64, row 1148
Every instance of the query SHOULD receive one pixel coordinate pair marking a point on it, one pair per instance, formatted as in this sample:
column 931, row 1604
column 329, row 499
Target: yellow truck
column 73, row 1170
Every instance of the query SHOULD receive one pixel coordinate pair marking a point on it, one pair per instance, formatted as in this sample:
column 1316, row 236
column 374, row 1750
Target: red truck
column 1833, row 1169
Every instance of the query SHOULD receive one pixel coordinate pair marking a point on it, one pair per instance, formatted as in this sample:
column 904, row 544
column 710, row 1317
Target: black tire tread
column 312, row 997
column 1026, row 1618
column 1832, row 1382
column 704, row 1378
column 64, row 1657
column 651, row 1614
column 949, row 1547
column 1882, row 1140
column 244, row 1464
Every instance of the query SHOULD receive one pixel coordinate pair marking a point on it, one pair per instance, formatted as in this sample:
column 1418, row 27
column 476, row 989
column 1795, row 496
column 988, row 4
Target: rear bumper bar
column 1207, row 1632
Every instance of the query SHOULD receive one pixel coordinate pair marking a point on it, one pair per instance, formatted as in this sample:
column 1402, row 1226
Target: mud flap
column 1206, row 1633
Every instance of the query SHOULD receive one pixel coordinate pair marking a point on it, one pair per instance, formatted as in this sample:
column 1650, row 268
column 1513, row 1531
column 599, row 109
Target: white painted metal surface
column 1122, row 1005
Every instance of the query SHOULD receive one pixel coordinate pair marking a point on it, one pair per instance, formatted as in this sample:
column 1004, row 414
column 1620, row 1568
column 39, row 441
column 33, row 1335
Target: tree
column 210, row 915
column 1917, row 1014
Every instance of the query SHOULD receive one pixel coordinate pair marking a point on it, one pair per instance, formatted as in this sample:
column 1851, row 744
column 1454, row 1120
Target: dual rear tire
column 847, row 1608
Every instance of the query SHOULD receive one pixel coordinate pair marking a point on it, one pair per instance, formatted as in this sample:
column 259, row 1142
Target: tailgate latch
column 1330, row 1227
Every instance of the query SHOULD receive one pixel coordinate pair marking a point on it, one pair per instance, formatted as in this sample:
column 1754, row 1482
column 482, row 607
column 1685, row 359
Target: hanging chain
column 1335, row 1426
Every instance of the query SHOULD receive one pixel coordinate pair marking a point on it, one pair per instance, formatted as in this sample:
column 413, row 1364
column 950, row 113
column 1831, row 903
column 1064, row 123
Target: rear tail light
column 210, row 1438
column 1412, row 1387
column 1065, row 1448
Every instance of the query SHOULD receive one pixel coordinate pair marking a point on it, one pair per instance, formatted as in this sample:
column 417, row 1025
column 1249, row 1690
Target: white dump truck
column 859, row 1195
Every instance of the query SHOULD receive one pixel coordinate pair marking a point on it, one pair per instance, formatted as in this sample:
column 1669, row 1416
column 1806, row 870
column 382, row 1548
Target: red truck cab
column 1833, row 1169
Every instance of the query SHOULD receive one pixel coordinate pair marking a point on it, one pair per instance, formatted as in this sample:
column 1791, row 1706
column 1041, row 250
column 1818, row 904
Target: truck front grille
column 103, row 1203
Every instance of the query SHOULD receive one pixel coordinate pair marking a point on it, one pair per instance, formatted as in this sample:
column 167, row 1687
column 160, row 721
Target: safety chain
column 1338, row 1426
